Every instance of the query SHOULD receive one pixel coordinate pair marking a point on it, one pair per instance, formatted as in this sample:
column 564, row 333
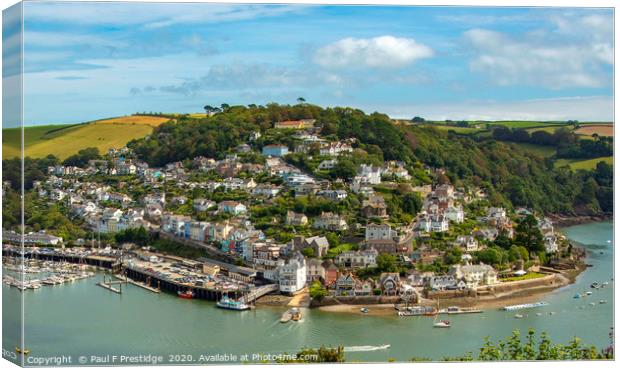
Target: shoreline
column 520, row 296
column 572, row 220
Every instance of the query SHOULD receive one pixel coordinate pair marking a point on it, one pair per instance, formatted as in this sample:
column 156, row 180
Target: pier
column 259, row 292
column 136, row 283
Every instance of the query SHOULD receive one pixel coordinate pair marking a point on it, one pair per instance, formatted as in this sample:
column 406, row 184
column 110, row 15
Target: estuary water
column 83, row 320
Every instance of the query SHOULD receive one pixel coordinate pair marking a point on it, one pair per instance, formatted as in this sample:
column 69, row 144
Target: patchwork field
column 603, row 130
column 63, row 141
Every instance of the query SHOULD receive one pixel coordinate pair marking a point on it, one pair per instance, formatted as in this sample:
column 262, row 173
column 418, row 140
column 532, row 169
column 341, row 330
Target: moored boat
column 227, row 303
column 188, row 294
column 459, row 310
column 418, row 311
column 442, row 324
column 364, row 310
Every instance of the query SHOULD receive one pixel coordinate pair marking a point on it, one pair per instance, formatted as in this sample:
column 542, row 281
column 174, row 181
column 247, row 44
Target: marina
column 189, row 323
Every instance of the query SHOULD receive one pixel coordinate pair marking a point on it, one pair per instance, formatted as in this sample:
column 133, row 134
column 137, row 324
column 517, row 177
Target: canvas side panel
column 12, row 183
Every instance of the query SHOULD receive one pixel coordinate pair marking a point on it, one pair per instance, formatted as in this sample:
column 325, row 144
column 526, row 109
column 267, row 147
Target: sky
column 86, row 61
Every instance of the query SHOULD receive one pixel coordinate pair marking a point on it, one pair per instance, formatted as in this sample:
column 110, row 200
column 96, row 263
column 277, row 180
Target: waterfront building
column 292, row 274
column 389, row 283
column 475, row 275
column 314, row 270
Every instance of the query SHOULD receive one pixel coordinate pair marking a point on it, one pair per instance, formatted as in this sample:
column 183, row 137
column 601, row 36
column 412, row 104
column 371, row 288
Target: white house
column 475, row 275
column 370, row 174
column 551, row 244
column 202, row 204
column 455, row 214
column 232, row 207
column 327, row 164
column 330, row 221
column 334, row 195
column 292, row 274
column 357, row 259
column 380, row 232
column 468, row 242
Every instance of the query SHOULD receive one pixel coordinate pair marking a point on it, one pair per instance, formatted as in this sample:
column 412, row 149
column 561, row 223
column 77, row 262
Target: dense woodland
column 511, row 176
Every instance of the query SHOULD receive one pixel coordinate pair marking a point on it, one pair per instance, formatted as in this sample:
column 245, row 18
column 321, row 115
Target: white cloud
column 378, row 52
column 539, row 60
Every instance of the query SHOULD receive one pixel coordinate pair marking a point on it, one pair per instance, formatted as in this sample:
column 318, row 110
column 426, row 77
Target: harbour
column 135, row 319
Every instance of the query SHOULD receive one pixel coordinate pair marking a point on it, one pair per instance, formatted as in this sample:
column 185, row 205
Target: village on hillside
column 257, row 217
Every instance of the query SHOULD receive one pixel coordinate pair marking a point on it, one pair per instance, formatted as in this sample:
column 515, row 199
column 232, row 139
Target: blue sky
column 85, row 61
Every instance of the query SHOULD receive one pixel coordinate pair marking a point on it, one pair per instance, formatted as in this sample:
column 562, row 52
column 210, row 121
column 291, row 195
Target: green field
column 11, row 138
column 460, row 130
column 65, row 140
column 543, row 151
column 589, row 164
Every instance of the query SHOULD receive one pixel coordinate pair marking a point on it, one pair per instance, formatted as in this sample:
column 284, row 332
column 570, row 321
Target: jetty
column 136, row 283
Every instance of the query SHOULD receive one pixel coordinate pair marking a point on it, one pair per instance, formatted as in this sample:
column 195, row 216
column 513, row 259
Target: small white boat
column 519, row 315
column 364, row 310
column 593, row 304
column 602, row 301
column 539, row 314
column 442, row 324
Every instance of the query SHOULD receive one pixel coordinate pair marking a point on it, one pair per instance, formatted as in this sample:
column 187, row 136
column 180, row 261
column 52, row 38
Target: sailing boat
column 442, row 323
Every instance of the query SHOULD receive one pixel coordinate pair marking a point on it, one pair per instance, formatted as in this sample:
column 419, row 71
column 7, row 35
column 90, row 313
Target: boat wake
column 353, row 349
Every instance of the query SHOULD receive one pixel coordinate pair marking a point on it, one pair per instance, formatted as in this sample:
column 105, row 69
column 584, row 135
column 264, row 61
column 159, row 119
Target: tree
column 411, row 203
column 490, row 256
column 82, row 157
column 528, row 234
column 386, row 262
column 417, row 119
column 332, row 239
column 308, row 252
column 301, row 100
column 318, row 291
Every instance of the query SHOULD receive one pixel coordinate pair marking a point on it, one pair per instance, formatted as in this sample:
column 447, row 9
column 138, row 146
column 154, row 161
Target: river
column 81, row 319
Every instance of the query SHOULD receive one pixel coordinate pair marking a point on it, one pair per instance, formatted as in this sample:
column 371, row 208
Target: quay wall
column 355, row 300
column 174, row 287
column 505, row 289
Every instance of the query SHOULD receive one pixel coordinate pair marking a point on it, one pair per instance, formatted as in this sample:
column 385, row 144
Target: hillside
column 513, row 174
column 65, row 140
